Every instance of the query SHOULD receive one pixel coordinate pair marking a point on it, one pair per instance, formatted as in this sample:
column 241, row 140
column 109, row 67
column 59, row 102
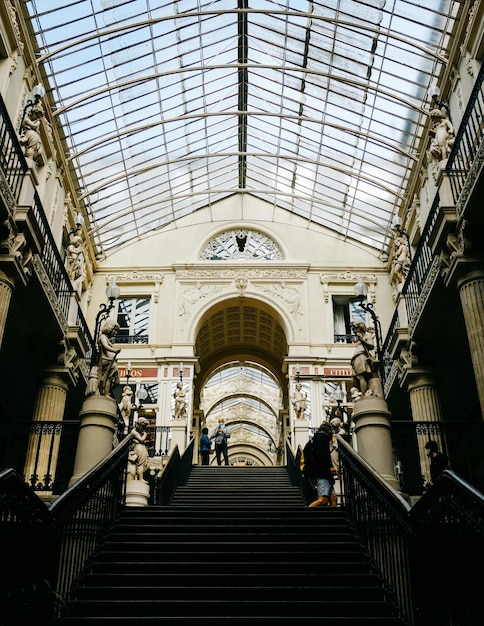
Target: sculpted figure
column 442, row 134
column 108, row 366
column 299, row 403
column 363, row 359
column 180, row 402
column 125, row 406
column 30, row 132
column 138, row 458
column 75, row 261
column 400, row 263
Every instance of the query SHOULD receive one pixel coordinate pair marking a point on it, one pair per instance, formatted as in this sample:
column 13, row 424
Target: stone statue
column 138, row 458
column 364, row 362
column 75, row 265
column 338, row 429
column 299, row 401
column 400, row 262
column 442, row 133
column 108, row 375
column 30, row 132
column 180, row 402
column 125, row 406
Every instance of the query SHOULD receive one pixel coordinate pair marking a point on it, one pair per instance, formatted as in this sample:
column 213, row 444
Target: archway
column 241, row 345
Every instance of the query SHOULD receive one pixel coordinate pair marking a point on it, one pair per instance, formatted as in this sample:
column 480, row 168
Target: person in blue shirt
column 205, row 445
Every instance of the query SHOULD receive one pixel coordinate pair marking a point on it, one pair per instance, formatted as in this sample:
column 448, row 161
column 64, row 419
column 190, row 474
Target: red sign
column 139, row 372
column 338, row 372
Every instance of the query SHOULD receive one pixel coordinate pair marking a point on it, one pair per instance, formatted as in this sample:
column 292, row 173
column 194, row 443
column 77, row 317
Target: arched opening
column 241, row 345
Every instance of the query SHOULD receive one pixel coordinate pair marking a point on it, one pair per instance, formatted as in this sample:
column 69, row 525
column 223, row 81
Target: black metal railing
column 47, row 548
column 14, row 166
column 468, row 139
column 176, row 472
column 131, row 339
column 82, row 515
column 52, row 446
column 379, row 515
column 344, row 338
column 414, row 283
column 12, row 160
column 52, row 261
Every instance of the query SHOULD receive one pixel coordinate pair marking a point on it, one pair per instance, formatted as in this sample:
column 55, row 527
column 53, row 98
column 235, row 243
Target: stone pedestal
column 98, row 425
column 137, row 493
column 301, row 434
column 372, row 429
column 178, row 436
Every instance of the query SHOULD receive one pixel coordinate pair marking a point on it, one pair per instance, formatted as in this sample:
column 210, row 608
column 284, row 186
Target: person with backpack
column 318, row 466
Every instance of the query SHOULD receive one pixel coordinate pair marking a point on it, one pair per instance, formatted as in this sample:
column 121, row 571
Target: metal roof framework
column 170, row 106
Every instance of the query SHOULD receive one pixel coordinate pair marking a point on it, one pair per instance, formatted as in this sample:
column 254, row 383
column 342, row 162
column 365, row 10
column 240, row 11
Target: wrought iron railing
column 47, row 548
column 135, row 339
column 379, row 514
column 52, row 261
column 176, row 472
column 468, row 139
column 414, row 284
column 12, row 160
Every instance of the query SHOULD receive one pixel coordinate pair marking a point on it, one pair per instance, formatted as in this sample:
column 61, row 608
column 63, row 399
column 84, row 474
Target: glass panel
column 169, row 94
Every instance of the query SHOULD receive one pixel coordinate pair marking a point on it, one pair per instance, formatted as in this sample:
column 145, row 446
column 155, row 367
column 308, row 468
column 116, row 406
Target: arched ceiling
column 170, row 106
column 237, row 329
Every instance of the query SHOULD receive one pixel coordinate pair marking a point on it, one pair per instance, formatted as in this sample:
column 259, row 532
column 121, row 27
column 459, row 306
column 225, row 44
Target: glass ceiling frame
column 168, row 107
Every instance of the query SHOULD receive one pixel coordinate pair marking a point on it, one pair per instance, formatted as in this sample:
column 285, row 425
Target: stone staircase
column 236, row 546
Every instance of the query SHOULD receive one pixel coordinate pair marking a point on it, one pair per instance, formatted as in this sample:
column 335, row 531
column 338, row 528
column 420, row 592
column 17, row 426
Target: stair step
column 235, row 547
column 235, row 592
column 241, row 607
column 258, row 620
column 246, row 563
column 236, row 556
column 164, row 580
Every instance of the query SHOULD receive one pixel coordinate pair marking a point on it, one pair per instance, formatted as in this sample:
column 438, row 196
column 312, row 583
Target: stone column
column 98, row 425
column 471, row 291
column 6, row 289
column 43, row 446
column 372, row 429
column 425, row 406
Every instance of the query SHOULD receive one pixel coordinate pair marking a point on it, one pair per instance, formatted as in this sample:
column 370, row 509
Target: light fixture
column 79, row 223
column 112, row 293
column 298, row 372
column 38, row 92
column 341, row 410
column 274, row 450
column 434, row 94
column 180, row 371
column 141, row 394
column 361, row 293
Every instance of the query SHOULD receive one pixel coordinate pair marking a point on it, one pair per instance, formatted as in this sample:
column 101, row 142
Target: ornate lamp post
column 112, row 293
column 361, row 293
column 38, row 93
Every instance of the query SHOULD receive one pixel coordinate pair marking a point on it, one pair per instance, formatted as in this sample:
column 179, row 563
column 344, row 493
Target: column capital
column 415, row 377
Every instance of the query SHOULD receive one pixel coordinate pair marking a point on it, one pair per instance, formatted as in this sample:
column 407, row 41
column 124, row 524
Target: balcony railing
column 12, row 160
column 14, row 167
column 468, row 140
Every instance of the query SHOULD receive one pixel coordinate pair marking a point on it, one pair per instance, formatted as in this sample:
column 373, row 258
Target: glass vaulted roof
column 168, row 107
